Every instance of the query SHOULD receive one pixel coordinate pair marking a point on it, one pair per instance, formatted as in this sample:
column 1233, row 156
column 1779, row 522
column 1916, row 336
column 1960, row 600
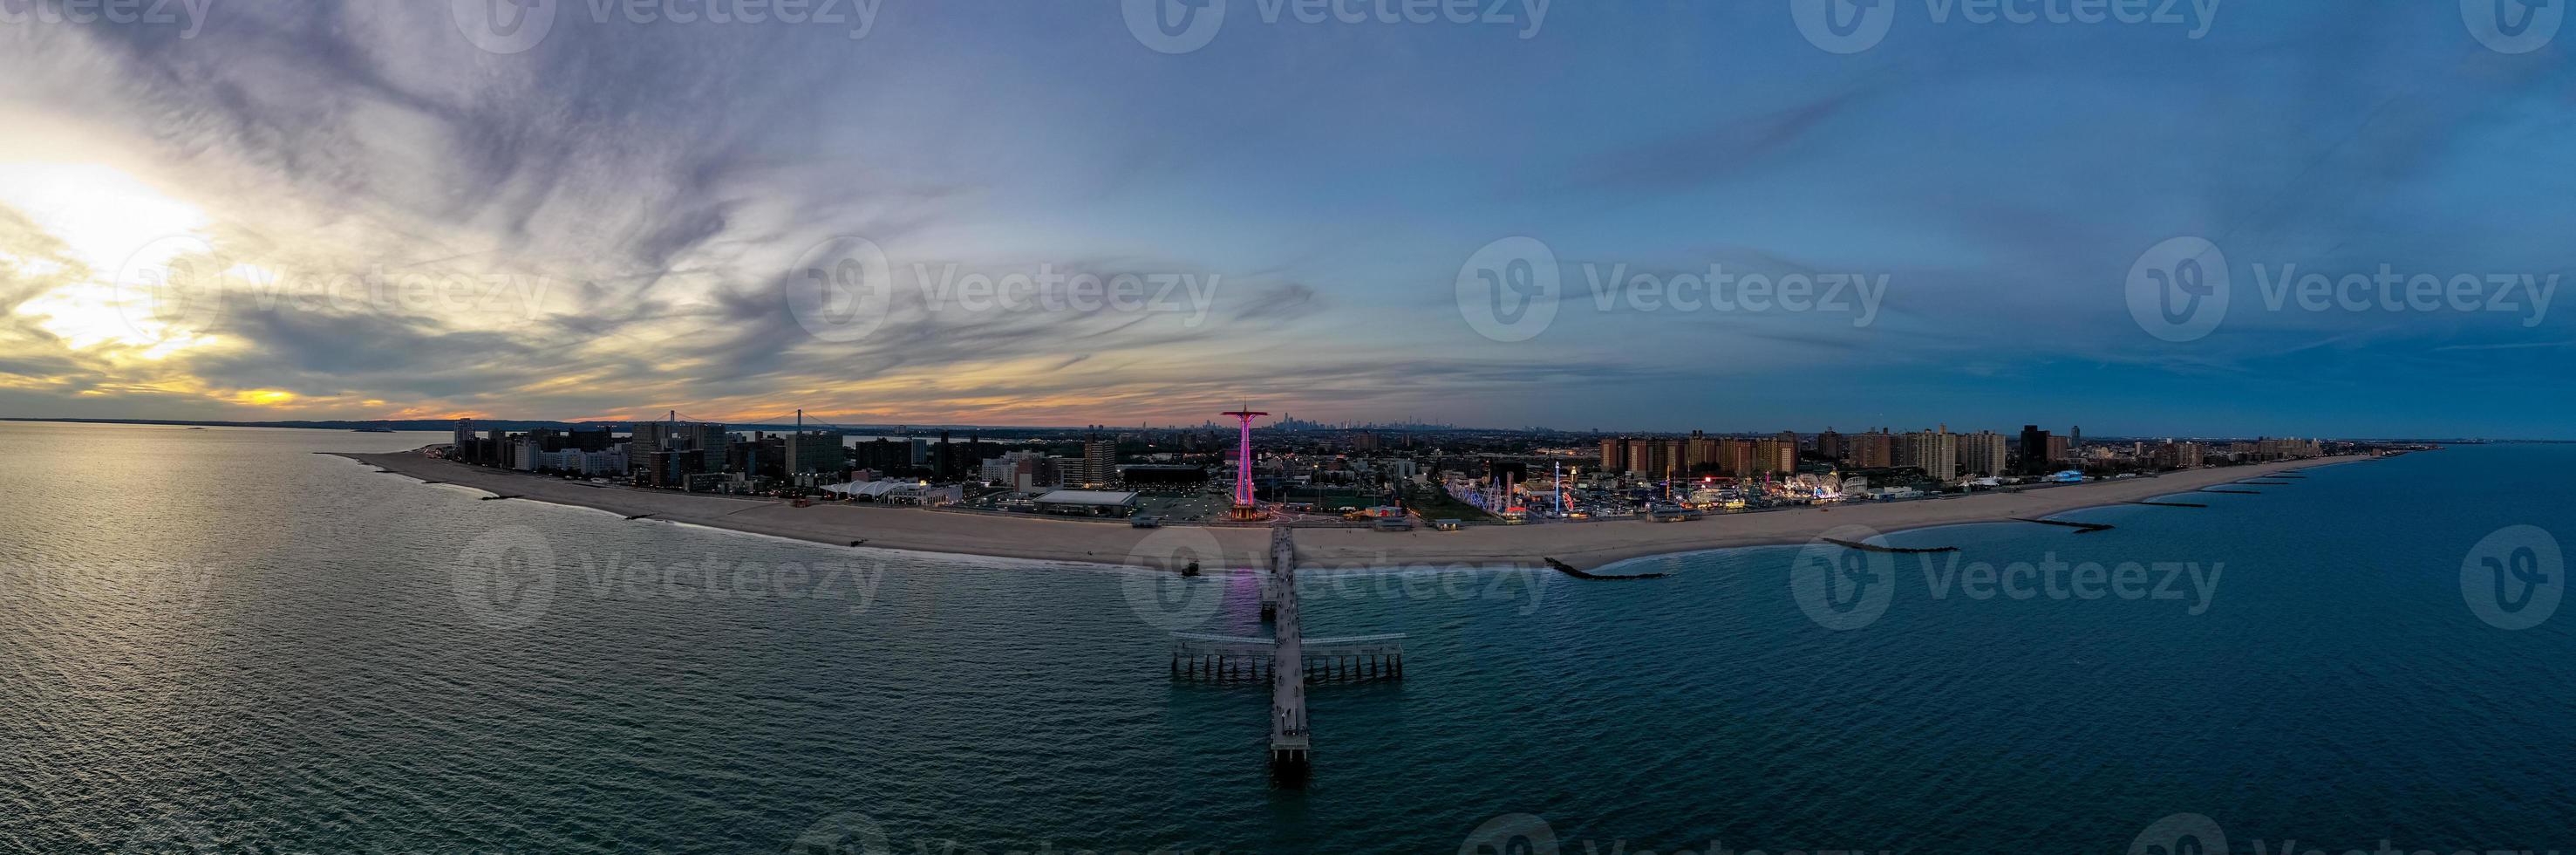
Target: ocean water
column 219, row 641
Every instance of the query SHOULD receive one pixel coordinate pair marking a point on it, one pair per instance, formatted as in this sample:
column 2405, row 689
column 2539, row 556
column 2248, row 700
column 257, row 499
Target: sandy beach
column 1584, row 545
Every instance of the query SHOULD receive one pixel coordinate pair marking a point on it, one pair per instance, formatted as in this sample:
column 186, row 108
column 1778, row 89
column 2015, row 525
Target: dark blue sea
column 220, row 641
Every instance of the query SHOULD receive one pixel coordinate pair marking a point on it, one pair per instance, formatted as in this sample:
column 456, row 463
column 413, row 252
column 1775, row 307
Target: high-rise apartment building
column 814, row 451
column 1873, row 450
column 2034, row 450
column 1934, row 452
column 1985, row 453
column 1099, row 459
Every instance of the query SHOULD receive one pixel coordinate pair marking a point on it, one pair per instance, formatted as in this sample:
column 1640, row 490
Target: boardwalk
column 1291, row 747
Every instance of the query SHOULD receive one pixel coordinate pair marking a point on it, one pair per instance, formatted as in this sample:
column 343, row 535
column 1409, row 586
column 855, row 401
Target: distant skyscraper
column 464, row 440
column 1829, row 445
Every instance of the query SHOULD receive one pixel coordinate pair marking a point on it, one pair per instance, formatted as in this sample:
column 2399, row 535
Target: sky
column 2216, row 218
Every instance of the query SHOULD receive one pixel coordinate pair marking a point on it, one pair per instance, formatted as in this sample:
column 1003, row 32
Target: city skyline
column 625, row 230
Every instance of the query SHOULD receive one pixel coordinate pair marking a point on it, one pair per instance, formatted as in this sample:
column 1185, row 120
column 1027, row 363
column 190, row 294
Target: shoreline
column 1584, row 547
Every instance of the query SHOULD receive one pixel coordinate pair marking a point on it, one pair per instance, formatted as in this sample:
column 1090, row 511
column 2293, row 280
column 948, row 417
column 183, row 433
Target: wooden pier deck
column 1292, row 747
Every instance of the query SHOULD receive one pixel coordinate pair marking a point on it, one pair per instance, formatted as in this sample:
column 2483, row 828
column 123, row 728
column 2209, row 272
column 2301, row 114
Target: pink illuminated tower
column 1244, row 507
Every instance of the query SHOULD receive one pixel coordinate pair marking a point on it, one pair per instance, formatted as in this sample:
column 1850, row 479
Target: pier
column 1230, row 659
column 1292, row 749
column 1287, row 660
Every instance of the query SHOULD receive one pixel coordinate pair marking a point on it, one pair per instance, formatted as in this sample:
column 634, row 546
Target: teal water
column 219, row 641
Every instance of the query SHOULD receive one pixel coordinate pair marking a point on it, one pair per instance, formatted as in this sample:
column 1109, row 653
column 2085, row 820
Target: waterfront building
column 1830, row 445
column 2034, row 450
column 1936, row 452
column 1099, row 460
column 814, row 451
column 1032, row 471
column 1985, row 453
column 1873, row 450
column 1614, row 455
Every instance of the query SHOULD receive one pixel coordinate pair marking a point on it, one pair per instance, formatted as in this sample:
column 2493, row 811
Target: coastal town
column 1358, row 496
column 1298, row 471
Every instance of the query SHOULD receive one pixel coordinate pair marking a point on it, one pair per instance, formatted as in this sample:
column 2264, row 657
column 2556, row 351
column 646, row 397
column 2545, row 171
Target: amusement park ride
column 1245, row 507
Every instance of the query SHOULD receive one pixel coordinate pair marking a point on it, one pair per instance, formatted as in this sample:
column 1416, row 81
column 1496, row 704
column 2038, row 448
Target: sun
column 127, row 234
